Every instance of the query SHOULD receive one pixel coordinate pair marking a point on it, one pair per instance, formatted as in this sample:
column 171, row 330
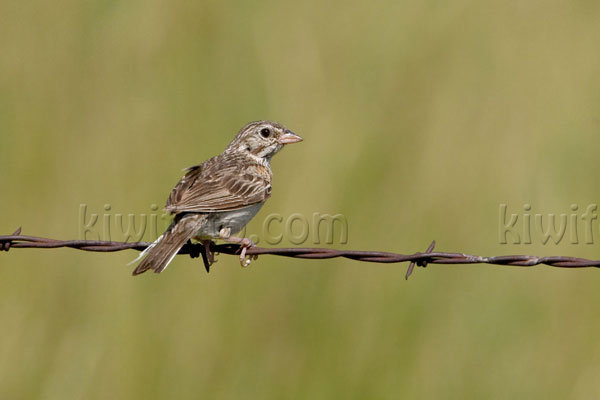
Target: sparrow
column 217, row 198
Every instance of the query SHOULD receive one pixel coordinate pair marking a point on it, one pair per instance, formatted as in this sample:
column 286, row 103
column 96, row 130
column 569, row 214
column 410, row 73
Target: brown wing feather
column 191, row 175
column 222, row 183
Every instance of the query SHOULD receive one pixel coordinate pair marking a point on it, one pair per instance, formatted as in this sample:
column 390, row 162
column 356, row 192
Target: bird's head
column 262, row 139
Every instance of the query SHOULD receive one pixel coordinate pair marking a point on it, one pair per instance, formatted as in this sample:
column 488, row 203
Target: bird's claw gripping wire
column 245, row 244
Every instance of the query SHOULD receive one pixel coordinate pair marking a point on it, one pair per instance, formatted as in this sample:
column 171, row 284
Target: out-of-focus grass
column 418, row 119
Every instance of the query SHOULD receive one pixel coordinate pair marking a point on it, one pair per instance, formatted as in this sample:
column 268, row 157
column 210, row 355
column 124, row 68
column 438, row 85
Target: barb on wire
column 16, row 240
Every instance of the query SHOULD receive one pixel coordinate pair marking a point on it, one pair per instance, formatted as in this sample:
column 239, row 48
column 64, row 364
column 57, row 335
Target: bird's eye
column 265, row 132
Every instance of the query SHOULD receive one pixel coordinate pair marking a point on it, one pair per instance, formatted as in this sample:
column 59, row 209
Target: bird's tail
column 160, row 253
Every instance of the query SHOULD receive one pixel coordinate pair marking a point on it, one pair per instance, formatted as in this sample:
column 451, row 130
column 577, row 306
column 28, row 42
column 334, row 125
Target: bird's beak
column 289, row 137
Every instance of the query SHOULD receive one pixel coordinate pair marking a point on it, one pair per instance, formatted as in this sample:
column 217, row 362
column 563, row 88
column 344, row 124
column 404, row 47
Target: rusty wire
column 16, row 240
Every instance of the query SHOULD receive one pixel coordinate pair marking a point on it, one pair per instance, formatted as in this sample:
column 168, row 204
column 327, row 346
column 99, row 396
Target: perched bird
column 219, row 197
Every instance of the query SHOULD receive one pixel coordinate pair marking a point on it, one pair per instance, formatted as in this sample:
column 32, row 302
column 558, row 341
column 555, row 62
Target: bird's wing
column 216, row 186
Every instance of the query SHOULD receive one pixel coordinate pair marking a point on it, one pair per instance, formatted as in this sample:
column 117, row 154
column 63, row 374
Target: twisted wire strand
column 16, row 240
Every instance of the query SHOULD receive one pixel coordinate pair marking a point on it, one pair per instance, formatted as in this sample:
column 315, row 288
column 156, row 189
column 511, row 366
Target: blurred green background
column 419, row 120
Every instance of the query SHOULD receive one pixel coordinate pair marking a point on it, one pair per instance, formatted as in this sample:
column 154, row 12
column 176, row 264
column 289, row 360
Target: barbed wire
column 16, row 240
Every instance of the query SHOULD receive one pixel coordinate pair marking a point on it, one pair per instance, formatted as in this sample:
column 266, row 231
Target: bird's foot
column 245, row 243
column 210, row 255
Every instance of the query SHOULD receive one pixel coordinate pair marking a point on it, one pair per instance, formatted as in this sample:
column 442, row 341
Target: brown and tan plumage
column 225, row 182
column 219, row 196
